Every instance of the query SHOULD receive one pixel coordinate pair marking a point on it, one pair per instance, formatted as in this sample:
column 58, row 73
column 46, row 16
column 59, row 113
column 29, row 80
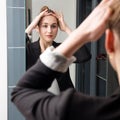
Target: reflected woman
column 47, row 23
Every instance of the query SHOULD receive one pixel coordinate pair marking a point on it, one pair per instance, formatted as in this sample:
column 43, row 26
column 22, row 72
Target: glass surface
column 16, row 50
column 16, row 65
column 16, row 3
column 16, row 27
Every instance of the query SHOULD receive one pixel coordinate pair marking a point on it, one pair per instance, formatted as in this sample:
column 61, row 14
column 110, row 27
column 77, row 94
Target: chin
column 50, row 40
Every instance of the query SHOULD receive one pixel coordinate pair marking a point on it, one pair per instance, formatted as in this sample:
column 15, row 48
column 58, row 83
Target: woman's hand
column 95, row 24
column 62, row 25
column 35, row 22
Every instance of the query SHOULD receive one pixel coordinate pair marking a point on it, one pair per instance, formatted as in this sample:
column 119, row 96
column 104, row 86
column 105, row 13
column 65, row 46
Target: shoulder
column 33, row 45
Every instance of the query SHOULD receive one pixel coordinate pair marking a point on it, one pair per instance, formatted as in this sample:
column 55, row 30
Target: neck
column 44, row 45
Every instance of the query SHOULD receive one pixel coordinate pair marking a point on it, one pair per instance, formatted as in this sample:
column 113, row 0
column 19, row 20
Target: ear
column 109, row 41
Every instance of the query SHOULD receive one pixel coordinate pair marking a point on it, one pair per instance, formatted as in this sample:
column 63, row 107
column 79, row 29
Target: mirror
column 33, row 8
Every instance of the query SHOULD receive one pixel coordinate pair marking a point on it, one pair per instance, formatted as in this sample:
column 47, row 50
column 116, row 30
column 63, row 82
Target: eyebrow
column 47, row 23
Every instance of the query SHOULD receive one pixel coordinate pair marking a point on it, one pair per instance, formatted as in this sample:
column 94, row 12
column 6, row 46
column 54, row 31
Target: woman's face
column 48, row 28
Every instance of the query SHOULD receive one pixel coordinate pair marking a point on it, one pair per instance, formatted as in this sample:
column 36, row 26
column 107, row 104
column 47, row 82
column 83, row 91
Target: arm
column 87, row 31
column 35, row 22
column 35, row 103
column 31, row 96
column 82, row 54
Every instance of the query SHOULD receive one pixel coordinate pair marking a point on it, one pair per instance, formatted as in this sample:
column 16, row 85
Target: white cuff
column 55, row 60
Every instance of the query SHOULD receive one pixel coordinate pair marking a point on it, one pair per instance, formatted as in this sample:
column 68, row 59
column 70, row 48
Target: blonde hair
column 114, row 21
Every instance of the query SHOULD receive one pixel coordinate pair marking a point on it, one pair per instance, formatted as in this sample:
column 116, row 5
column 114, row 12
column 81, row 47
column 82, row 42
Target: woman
column 47, row 24
column 31, row 96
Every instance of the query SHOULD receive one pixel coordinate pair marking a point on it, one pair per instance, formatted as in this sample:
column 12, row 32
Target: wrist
column 55, row 60
column 68, row 30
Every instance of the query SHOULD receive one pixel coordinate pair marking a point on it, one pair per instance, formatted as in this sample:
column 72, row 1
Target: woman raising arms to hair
column 47, row 23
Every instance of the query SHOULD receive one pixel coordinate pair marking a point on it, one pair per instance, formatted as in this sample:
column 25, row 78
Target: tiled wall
column 16, row 49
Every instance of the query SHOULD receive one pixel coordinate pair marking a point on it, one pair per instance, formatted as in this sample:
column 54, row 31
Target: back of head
column 114, row 21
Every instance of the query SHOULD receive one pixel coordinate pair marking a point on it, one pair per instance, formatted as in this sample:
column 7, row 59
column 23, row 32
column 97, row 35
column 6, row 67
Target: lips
column 50, row 36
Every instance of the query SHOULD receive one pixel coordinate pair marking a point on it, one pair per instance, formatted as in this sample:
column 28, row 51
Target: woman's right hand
column 35, row 22
column 62, row 24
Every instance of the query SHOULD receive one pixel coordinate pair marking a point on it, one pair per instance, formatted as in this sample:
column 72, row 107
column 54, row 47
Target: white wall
column 3, row 61
column 68, row 8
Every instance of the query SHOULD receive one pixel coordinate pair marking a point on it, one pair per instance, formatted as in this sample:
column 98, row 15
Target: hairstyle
column 46, row 7
column 114, row 21
column 48, row 10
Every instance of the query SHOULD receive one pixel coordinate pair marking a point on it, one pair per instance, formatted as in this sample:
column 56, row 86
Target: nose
column 49, row 29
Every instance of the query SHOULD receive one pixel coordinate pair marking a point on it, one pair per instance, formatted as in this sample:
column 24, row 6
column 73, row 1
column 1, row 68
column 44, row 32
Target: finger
column 44, row 11
column 57, row 14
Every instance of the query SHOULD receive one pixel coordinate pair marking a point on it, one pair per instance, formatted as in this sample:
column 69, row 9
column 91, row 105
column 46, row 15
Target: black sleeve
column 29, row 56
column 32, row 99
column 29, row 53
column 28, row 40
column 83, row 107
column 82, row 55
column 40, row 75
column 64, row 81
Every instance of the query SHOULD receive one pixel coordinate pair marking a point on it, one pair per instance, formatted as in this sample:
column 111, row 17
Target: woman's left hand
column 62, row 25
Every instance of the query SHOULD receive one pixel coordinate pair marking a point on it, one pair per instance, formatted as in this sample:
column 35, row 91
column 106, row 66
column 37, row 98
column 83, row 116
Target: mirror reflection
column 47, row 26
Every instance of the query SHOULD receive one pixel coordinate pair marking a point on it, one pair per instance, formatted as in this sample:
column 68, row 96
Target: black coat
column 64, row 81
column 36, row 103
column 33, row 51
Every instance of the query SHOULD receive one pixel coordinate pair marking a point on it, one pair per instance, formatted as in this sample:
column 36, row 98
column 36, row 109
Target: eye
column 45, row 26
column 53, row 26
